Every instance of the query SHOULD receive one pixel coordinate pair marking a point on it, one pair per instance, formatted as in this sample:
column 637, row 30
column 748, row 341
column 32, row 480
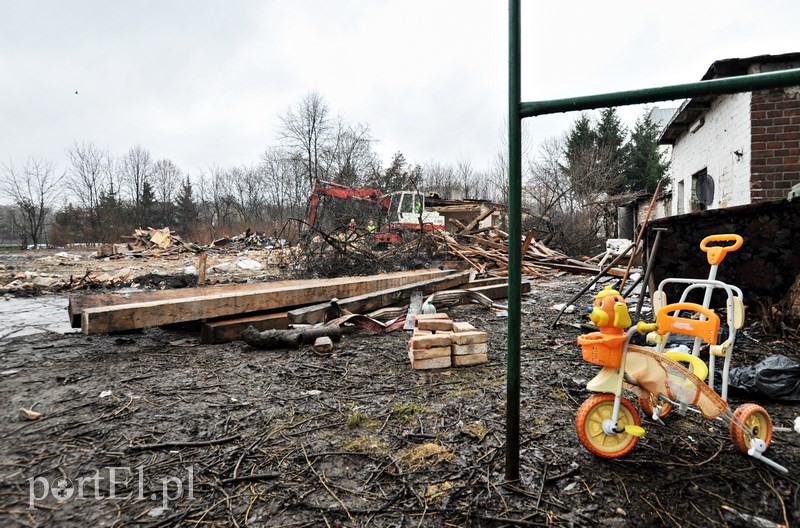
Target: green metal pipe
column 728, row 85
column 514, row 242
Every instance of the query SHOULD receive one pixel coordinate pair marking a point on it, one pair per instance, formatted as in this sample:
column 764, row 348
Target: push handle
column 716, row 254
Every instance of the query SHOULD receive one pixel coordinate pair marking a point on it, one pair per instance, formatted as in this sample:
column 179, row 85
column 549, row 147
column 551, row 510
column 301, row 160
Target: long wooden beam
column 368, row 302
column 209, row 303
column 80, row 302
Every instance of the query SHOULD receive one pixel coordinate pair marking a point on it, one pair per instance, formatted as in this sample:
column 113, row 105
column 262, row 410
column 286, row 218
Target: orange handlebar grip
column 716, row 254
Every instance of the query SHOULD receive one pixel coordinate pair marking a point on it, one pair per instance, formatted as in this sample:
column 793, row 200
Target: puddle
column 33, row 315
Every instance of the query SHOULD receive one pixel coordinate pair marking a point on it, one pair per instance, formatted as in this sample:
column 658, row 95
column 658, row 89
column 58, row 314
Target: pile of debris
column 250, row 239
column 149, row 242
column 486, row 251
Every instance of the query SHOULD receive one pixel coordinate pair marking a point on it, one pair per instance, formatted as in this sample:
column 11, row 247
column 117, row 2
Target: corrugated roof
column 693, row 109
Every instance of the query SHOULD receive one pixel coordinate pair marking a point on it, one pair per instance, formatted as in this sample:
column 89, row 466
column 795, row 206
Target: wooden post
column 201, row 269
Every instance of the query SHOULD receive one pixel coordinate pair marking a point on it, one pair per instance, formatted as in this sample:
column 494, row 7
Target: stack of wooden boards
column 224, row 311
column 438, row 342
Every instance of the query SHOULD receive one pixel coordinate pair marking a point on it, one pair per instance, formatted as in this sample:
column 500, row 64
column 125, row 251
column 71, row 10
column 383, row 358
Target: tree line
column 100, row 197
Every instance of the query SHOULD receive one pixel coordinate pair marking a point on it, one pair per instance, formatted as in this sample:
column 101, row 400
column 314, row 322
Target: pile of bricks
column 438, row 342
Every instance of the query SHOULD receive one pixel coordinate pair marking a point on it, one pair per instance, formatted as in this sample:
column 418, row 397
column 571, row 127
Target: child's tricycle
column 608, row 425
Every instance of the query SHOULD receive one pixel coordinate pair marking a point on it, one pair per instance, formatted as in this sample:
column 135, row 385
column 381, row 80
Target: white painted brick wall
column 726, row 129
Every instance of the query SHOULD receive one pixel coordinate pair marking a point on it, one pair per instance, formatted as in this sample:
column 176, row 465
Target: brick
column 466, row 350
column 468, row 338
column 435, row 363
column 462, row 327
column 429, row 353
column 421, row 342
column 472, row 359
column 323, row 344
column 440, row 315
column 436, row 325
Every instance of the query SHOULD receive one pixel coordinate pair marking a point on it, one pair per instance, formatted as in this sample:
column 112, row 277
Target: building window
column 702, row 190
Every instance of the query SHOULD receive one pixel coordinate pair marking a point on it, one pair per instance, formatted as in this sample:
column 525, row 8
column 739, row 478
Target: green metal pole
column 514, row 242
column 742, row 83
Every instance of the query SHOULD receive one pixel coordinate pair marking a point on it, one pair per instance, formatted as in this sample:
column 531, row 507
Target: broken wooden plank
column 368, row 302
column 209, row 303
column 485, row 211
column 527, row 241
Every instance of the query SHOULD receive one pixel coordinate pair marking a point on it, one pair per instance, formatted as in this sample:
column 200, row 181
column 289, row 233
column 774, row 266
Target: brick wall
column 775, row 146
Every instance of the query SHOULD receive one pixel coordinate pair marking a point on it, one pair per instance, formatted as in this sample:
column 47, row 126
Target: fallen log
column 228, row 330
column 272, row 339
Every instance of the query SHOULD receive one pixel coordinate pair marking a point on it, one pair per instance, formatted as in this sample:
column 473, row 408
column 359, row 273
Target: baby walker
column 608, row 425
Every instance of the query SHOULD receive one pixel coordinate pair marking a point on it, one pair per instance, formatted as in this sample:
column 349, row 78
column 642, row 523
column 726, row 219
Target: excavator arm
column 335, row 190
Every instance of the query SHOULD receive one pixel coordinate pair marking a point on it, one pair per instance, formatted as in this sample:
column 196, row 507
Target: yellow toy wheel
column 753, row 418
column 589, row 424
column 647, row 406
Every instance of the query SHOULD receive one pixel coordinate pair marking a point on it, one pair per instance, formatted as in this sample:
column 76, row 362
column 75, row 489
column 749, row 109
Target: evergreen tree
column 610, row 138
column 580, row 138
column 147, row 206
column 398, row 176
column 186, row 208
column 645, row 165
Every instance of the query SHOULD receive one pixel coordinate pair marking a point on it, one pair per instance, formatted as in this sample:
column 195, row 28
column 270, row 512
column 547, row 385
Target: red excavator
column 405, row 209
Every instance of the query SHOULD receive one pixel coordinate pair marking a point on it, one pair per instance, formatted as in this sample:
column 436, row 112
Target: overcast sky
column 203, row 82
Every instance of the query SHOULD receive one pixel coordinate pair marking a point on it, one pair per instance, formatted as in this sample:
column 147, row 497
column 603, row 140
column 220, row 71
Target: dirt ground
column 151, row 429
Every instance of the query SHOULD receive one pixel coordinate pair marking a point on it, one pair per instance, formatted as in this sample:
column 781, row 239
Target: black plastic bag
column 776, row 377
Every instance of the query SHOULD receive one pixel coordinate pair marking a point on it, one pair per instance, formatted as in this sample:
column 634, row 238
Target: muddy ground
column 225, row 435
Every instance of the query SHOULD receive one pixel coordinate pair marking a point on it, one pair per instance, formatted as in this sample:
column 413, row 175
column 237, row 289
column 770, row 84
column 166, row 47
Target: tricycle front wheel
column 753, row 418
column 589, row 424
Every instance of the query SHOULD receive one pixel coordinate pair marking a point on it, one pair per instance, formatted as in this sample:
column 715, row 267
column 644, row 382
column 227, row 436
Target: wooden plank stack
column 438, row 342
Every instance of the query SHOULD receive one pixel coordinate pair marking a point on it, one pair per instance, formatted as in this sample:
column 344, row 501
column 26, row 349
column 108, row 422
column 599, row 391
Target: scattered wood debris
column 486, row 251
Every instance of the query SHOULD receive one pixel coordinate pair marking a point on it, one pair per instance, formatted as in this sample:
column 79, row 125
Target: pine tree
column 146, row 207
column 610, row 138
column 186, row 208
column 580, row 138
column 645, row 165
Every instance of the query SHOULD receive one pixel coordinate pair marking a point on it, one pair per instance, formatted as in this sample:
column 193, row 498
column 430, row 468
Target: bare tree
column 88, row 176
column 248, row 192
column 34, row 189
column 167, row 178
column 349, row 158
column 440, row 178
column 466, row 176
column 570, row 203
column 286, row 187
column 306, row 130
column 136, row 169
column 217, row 197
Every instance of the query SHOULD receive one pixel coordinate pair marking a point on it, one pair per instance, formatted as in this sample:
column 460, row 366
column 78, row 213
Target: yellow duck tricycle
column 609, row 426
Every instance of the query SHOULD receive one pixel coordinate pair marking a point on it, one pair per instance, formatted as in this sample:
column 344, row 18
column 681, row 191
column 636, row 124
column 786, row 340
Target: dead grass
column 425, row 456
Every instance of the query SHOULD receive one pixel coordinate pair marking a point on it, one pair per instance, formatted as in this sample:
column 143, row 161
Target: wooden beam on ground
column 489, row 281
column 500, row 291
column 229, row 330
column 208, row 303
column 319, row 313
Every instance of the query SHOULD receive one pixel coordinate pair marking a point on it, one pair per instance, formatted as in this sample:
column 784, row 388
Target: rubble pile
column 486, row 251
